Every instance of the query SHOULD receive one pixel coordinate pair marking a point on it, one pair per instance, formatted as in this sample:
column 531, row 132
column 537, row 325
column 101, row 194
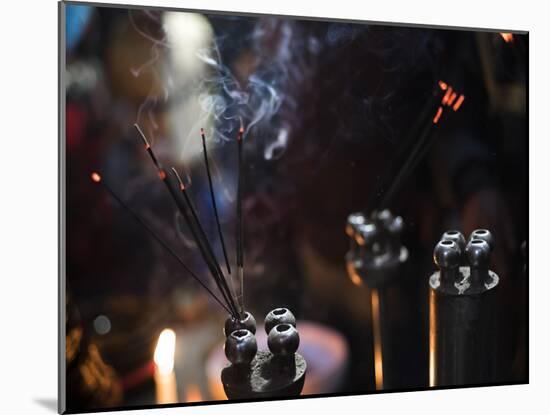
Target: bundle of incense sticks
column 445, row 100
column 178, row 191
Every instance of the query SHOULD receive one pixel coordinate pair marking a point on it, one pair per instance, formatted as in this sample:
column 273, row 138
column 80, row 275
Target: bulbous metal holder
column 374, row 259
column 254, row 373
column 463, row 313
column 376, row 251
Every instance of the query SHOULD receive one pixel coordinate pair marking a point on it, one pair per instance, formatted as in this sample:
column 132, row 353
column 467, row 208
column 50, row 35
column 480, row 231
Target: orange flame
column 458, row 103
column 438, row 115
column 95, row 177
column 508, row 37
column 443, row 85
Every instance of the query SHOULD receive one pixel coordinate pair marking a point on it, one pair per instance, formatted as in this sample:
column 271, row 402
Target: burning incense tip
column 95, row 177
column 147, row 145
column 508, row 37
column 443, row 85
column 182, row 186
column 447, row 95
column 162, row 174
column 438, row 115
column 458, row 103
column 451, row 99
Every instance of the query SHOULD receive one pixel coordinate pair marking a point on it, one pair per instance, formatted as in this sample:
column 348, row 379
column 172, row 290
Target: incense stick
column 187, row 211
column 425, row 141
column 427, row 138
column 147, row 146
column 419, row 125
column 239, row 236
column 97, row 179
column 214, row 200
column 194, row 226
column 218, row 275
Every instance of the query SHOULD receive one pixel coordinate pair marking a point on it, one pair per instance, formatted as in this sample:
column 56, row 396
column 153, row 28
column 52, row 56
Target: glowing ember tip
column 458, row 103
column 447, row 95
column 95, row 177
column 438, row 115
column 451, row 99
column 508, row 37
column 147, row 145
column 162, row 174
column 443, row 85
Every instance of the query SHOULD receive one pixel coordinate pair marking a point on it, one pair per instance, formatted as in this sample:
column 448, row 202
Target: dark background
column 348, row 98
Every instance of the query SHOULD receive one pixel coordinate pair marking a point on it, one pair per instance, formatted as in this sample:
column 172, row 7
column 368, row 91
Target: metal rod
column 463, row 316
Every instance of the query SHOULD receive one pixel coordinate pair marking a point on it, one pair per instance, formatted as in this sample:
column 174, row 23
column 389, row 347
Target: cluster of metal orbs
column 463, row 311
column 377, row 235
column 375, row 245
column 462, row 262
column 241, row 346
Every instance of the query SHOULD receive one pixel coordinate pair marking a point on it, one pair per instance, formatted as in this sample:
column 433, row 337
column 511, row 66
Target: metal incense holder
column 375, row 248
column 375, row 258
column 255, row 373
column 463, row 312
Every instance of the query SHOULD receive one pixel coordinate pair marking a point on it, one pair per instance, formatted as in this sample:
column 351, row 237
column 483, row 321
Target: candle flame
column 164, row 352
column 508, row 37
column 95, row 177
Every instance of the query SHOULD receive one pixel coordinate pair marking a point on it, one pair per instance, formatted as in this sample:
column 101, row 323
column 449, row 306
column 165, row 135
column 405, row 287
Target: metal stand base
column 266, row 376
